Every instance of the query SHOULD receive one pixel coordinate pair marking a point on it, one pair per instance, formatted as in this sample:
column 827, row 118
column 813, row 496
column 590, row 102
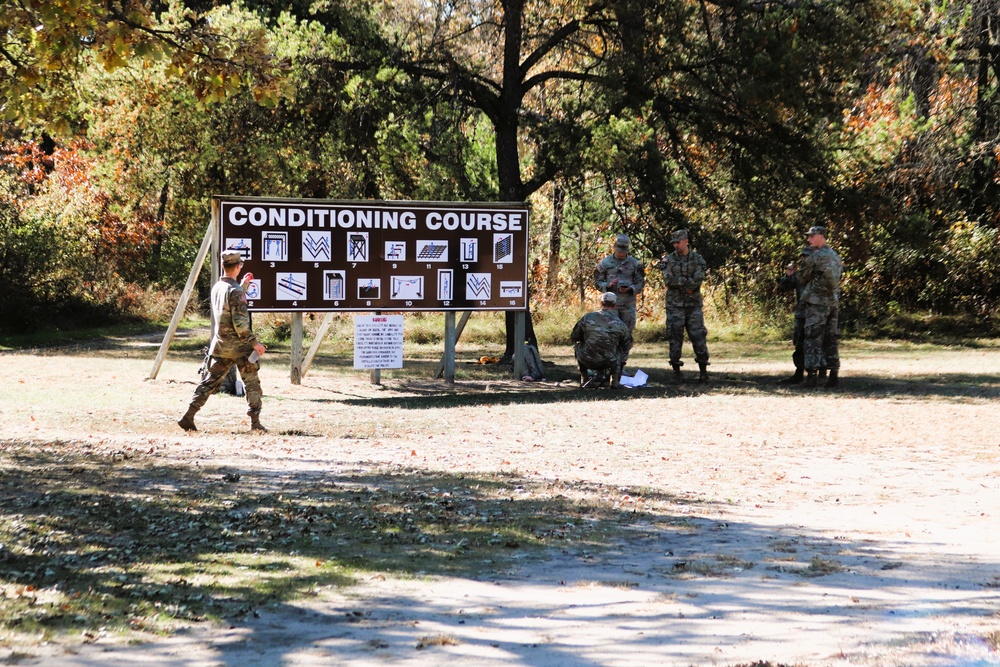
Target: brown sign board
column 323, row 255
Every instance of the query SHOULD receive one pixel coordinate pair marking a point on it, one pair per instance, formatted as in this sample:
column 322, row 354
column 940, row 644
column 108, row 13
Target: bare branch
column 562, row 75
column 10, row 58
column 558, row 37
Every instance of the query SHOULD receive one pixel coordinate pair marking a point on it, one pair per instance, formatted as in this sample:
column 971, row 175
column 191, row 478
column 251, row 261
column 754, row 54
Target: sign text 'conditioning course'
column 318, row 255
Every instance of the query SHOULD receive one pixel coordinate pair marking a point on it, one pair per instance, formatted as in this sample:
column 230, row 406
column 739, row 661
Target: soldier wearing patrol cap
column 683, row 272
column 623, row 275
column 820, row 278
column 233, row 342
column 790, row 281
column 601, row 342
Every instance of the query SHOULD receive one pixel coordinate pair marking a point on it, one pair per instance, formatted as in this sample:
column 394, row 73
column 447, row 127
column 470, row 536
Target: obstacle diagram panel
column 320, row 255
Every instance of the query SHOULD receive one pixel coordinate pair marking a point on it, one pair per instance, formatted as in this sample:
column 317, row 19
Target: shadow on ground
column 427, row 394
column 124, row 543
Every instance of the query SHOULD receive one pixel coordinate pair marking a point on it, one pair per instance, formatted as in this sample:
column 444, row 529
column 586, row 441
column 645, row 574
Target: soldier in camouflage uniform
column 683, row 272
column 233, row 342
column 623, row 275
column 790, row 281
column 602, row 341
column 820, row 279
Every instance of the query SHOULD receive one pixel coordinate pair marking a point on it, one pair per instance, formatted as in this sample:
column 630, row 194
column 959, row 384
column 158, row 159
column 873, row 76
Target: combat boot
column 810, row 382
column 255, row 424
column 616, row 379
column 834, row 380
column 822, row 373
column 795, row 379
column 678, row 376
column 703, row 371
column 187, row 421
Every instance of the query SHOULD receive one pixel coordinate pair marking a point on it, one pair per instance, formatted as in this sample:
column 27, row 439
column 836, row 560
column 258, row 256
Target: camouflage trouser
column 799, row 340
column 626, row 311
column 692, row 320
column 821, row 334
column 217, row 373
column 613, row 364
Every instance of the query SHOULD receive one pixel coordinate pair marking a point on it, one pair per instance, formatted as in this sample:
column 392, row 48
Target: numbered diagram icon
column 357, row 247
column 369, row 288
column 446, row 290
column 478, row 286
column 245, row 246
column 511, row 289
column 395, row 251
column 334, row 285
column 408, row 288
column 291, row 286
column 470, row 251
column 316, row 246
column 432, row 251
column 275, row 247
column 503, row 248
column 252, row 289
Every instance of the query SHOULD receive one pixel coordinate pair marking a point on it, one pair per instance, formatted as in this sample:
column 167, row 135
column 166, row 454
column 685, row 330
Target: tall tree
column 682, row 106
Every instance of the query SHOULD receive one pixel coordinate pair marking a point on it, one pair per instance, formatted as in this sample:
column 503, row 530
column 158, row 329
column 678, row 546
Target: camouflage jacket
column 683, row 277
column 612, row 274
column 820, row 278
column 601, row 338
column 232, row 337
column 792, row 282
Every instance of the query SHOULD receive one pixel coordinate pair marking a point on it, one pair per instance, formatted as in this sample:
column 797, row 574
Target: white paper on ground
column 637, row 380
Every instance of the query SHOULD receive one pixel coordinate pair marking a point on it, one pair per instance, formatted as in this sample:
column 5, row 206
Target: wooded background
column 745, row 121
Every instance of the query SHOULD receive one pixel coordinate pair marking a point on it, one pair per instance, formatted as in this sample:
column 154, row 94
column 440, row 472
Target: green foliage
column 743, row 123
column 28, row 252
column 46, row 44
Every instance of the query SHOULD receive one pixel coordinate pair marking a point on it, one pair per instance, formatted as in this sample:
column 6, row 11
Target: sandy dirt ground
column 797, row 528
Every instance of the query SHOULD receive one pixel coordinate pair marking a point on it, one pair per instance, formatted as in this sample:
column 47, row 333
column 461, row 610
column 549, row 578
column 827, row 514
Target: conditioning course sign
column 321, row 255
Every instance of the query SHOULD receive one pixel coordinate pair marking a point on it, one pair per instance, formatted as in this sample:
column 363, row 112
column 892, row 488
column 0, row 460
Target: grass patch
column 926, row 328
column 94, row 336
column 436, row 640
column 720, row 565
column 727, row 324
column 785, row 546
column 820, row 567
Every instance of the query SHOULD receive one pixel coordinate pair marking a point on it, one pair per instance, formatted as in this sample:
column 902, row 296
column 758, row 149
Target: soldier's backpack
column 533, row 366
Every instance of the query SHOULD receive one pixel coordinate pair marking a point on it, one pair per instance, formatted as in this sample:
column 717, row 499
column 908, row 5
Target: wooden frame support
column 449, row 347
column 441, row 370
column 199, row 262
column 324, row 328
column 520, row 325
column 296, row 351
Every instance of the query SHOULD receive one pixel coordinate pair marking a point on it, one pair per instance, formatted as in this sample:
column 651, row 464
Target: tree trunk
column 983, row 186
column 555, row 236
column 579, row 265
column 505, row 124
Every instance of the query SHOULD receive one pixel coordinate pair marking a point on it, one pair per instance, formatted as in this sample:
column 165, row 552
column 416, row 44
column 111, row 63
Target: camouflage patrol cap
column 231, row 257
column 679, row 235
column 622, row 242
column 609, row 299
column 816, row 229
